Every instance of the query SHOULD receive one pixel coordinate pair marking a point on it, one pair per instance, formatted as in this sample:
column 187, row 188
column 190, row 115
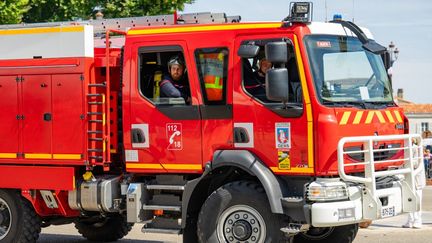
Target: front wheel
column 239, row 212
column 339, row 234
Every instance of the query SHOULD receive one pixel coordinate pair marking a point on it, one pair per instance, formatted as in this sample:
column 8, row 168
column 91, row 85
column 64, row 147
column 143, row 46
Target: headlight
column 327, row 190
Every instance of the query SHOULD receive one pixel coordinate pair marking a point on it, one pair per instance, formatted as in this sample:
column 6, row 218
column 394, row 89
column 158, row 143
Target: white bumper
column 327, row 214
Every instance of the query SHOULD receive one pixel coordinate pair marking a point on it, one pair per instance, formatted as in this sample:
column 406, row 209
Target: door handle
column 241, row 135
column 47, row 117
column 138, row 136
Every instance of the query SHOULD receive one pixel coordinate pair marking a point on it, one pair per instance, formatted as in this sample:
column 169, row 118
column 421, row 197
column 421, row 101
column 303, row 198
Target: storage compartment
column 9, row 130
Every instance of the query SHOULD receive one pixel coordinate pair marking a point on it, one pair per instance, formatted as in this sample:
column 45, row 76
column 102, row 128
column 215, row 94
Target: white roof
column 47, row 42
column 334, row 29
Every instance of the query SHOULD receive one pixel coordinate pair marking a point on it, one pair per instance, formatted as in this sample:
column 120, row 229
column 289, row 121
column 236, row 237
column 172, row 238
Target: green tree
column 129, row 8
column 58, row 10
column 64, row 10
column 11, row 11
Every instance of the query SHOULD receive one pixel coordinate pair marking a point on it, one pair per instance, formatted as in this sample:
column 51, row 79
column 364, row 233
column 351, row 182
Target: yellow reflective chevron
column 389, row 116
column 398, row 116
column 345, row 118
column 358, row 117
column 367, row 117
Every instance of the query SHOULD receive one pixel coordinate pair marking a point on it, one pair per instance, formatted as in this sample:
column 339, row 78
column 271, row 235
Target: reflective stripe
column 164, row 166
column 38, row 156
column 182, row 166
column 197, row 28
column 389, row 116
column 398, row 116
column 369, row 117
column 42, row 30
column 345, row 118
column 293, row 170
column 8, row 155
column 53, row 156
column 66, row 156
column 380, row 116
column 307, row 101
column 216, row 85
column 358, row 117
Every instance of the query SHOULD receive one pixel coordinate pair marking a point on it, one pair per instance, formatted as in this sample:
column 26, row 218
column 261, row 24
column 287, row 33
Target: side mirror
column 276, row 52
column 248, row 51
column 386, row 60
column 277, row 84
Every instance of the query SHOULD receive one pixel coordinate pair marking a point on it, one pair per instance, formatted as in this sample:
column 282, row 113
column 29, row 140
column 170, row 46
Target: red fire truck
column 86, row 137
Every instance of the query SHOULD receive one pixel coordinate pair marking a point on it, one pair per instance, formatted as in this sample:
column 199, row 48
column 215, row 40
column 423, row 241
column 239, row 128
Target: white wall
column 415, row 123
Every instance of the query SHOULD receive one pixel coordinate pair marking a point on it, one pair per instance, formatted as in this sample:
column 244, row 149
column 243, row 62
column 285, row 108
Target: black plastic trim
column 188, row 112
column 216, row 112
column 291, row 111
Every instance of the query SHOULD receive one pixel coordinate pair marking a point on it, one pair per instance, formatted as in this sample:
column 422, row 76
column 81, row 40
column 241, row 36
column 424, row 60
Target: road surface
column 381, row 231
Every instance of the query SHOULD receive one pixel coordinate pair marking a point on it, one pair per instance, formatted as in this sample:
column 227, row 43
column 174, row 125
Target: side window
column 212, row 64
column 255, row 69
column 163, row 77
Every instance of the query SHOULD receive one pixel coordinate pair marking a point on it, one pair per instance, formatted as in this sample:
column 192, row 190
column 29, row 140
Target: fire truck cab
column 301, row 151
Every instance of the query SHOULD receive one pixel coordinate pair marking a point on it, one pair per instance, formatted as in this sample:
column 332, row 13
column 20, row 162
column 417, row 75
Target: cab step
column 162, row 207
column 165, row 187
column 163, row 226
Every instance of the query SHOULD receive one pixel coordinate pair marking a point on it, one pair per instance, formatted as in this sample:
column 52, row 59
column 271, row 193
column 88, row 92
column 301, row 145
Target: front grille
column 378, row 154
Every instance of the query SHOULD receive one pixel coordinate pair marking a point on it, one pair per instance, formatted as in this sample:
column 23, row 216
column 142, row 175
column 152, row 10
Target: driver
column 175, row 84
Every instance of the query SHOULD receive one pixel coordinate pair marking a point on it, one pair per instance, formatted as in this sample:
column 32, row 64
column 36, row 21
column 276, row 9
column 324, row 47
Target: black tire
column 339, row 234
column 18, row 218
column 104, row 230
column 239, row 212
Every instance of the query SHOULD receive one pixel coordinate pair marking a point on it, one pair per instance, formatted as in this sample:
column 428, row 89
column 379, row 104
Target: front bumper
column 357, row 209
column 367, row 200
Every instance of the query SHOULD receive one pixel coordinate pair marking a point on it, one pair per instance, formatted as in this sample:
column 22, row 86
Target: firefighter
column 256, row 85
column 175, row 84
column 213, row 74
column 415, row 218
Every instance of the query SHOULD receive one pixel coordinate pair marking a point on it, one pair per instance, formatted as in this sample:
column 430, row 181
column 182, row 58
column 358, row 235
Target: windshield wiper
column 346, row 104
column 381, row 103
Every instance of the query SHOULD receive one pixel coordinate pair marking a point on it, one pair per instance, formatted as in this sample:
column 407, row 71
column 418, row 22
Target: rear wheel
column 339, row 234
column 239, row 212
column 105, row 229
column 18, row 221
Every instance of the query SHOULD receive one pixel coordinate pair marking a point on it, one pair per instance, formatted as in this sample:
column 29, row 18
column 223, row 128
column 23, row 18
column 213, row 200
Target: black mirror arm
column 369, row 45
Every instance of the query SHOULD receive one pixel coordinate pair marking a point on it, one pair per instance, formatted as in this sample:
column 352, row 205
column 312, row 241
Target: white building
column 419, row 115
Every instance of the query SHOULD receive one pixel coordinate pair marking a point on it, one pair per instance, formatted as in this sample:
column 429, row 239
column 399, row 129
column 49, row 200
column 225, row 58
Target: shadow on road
column 54, row 238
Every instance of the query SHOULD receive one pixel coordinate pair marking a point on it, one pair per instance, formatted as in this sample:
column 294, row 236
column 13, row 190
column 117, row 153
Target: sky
column 408, row 23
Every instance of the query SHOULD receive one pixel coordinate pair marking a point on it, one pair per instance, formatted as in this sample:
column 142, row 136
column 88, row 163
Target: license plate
column 388, row 212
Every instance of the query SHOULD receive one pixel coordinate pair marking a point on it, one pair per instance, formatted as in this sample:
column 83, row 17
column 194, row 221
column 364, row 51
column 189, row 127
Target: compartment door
column 37, row 122
column 68, row 116
column 9, row 124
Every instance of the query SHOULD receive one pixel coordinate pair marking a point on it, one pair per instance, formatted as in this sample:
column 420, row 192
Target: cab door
column 161, row 134
column 280, row 136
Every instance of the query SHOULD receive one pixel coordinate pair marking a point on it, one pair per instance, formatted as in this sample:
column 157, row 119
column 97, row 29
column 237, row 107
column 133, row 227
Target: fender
column 253, row 165
column 249, row 163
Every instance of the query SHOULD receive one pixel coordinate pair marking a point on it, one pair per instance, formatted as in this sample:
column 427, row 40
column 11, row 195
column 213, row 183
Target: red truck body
column 65, row 117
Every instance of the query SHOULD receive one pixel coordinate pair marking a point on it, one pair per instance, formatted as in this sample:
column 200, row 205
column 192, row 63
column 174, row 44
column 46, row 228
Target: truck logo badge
column 283, row 135
column 174, row 136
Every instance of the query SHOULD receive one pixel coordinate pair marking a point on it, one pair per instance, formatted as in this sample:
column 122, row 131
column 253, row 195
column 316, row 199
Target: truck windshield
column 346, row 74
